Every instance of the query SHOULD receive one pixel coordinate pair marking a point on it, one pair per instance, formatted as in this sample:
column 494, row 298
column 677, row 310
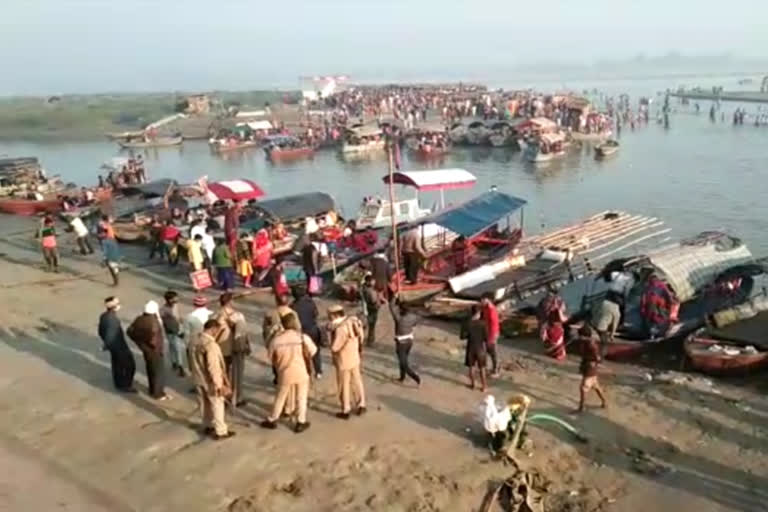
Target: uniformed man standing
column 291, row 352
column 206, row 364
column 346, row 335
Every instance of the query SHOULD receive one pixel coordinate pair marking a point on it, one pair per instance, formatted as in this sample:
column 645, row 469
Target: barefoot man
column 476, row 334
column 590, row 361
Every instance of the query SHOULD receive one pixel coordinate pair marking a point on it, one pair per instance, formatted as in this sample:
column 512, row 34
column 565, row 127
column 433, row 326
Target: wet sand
column 659, row 446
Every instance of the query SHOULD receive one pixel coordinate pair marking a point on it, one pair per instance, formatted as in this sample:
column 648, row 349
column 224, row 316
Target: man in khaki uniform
column 273, row 325
column 206, row 364
column 346, row 335
column 233, row 340
column 290, row 352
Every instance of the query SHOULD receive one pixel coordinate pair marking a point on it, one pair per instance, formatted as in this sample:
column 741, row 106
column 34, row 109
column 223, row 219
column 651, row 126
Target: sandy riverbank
column 660, row 446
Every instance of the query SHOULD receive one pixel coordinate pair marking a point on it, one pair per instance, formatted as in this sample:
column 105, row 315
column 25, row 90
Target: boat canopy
column 539, row 123
column 279, row 139
column 298, row 206
column 258, row 125
column 234, row 190
column 157, row 188
column 552, row 138
column 430, row 127
column 438, row 179
column 470, row 218
column 366, row 130
column 693, row 263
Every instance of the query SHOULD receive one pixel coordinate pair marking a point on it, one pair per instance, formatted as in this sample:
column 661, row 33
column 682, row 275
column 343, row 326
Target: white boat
column 363, row 139
column 377, row 213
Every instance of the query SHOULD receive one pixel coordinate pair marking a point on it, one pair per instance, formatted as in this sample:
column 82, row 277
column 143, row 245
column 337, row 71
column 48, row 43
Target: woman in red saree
column 551, row 319
column 261, row 249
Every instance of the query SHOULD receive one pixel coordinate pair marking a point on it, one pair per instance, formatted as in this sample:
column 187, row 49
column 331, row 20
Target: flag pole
column 392, row 214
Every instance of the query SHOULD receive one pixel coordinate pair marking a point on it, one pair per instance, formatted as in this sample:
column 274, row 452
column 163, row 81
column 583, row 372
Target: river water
column 697, row 175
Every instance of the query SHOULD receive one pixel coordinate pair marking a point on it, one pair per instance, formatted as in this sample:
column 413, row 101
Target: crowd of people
column 130, row 172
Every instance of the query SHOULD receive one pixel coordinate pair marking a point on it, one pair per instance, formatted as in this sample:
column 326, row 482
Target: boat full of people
column 362, row 139
column 26, row 189
column 286, row 147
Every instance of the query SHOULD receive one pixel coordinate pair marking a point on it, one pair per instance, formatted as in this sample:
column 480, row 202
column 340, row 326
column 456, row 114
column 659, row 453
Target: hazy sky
column 62, row 46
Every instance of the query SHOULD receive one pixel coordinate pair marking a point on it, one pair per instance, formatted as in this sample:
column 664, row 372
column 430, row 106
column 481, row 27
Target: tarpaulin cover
column 157, row 188
column 298, row 206
column 470, row 218
column 235, row 190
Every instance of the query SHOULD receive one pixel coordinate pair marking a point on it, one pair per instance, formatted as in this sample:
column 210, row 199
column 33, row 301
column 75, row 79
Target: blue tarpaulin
column 470, row 218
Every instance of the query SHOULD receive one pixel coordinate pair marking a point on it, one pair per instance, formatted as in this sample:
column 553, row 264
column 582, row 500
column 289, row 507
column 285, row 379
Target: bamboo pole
column 395, row 241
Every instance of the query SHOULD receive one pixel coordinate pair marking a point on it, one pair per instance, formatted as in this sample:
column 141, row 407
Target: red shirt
column 491, row 317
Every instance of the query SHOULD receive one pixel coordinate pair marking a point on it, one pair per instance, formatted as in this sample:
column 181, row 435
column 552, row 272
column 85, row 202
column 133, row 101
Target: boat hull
column 353, row 149
column 699, row 358
column 29, row 207
column 289, row 154
column 159, row 143
column 226, row 148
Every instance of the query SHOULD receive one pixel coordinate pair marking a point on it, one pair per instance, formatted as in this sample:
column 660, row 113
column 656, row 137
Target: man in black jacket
column 405, row 321
column 113, row 339
column 306, row 310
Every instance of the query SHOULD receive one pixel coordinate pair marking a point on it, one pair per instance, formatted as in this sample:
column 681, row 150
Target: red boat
column 30, row 207
column 286, row 147
column 427, row 152
column 16, row 206
column 276, row 154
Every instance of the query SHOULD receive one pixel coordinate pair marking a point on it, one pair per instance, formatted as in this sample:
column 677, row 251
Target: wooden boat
column 606, row 149
column 706, row 275
column 29, row 207
column 735, row 342
column 728, row 359
column 282, row 154
column 363, row 139
column 591, row 137
column 159, row 142
column 553, row 142
column 124, row 135
column 430, row 152
column 219, row 146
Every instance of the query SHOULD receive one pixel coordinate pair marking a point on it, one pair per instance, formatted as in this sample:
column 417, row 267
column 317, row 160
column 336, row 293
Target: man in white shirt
column 195, row 321
column 208, row 244
column 81, row 233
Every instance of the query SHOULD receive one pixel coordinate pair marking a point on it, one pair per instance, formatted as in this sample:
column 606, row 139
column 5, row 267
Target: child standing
column 244, row 267
column 590, row 361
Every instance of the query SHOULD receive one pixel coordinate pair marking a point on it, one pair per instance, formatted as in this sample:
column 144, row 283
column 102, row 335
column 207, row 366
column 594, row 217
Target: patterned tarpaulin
column 687, row 268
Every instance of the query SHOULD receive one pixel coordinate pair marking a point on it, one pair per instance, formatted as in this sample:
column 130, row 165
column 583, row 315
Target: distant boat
column 158, row 142
column 606, row 149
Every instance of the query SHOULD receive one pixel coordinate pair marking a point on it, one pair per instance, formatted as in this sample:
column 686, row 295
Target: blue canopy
column 470, row 218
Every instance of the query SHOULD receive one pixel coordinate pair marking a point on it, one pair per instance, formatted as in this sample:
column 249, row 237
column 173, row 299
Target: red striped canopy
column 235, row 190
